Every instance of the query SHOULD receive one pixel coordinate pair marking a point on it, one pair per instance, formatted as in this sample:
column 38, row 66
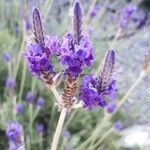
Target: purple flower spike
column 38, row 52
column 89, row 94
column 6, row 56
column 10, row 83
column 40, row 128
column 77, row 22
column 107, row 71
column 29, row 97
column 19, row 108
column 40, row 102
column 14, row 132
column 94, row 90
column 111, row 107
column 37, row 26
column 118, row 125
column 126, row 14
column 76, row 47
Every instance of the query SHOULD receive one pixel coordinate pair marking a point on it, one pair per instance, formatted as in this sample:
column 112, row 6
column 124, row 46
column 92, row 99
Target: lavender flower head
column 118, row 126
column 37, row 60
column 10, row 83
column 38, row 52
column 95, row 90
column 76, row 47
column 29, row 97
column 6, row 57
column 19, row 108
column 14, row 132
column 40, row 102
column 40, row 128
column 127, row 12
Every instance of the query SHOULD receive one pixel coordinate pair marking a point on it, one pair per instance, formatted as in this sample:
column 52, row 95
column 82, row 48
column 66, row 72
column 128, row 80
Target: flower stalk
column 58, row 129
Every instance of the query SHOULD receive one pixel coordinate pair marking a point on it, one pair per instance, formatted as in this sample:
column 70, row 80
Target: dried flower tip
column 37, row 26
column 107, row 71
column 77, row 22
column 68, row 96
column 146, row 66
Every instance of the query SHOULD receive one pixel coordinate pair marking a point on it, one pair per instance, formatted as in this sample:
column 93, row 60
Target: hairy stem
column 53, row 89
column 58, row 130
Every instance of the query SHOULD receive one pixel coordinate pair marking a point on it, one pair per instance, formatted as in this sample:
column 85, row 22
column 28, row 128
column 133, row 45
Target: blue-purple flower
column 19, row 108
column 40, row 102
column 6, row 56
column 75, row 56
column 66, row 134
column 29, row 97
column 10, row 83
column 94, row 11
column 89, row 93
column 14, row 132
column 110, row 107
column 40, row 128
column 118, row 125
column 37, row 59
column 127, row 12
column 95, row 91
column 28, row 25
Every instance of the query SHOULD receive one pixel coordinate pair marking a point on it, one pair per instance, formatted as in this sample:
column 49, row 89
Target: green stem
column 22, row 82
column 109, row 132
column 53, row 89
column 73, row 114
column 58, row 129
column 33, row 84
column 46, row 8
column 30, row 118
column 101, row 14
column 20, row 54
column 117, row 35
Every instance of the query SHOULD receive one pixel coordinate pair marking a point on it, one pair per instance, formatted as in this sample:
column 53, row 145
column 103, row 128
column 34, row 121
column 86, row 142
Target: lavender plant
column 81, row 91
